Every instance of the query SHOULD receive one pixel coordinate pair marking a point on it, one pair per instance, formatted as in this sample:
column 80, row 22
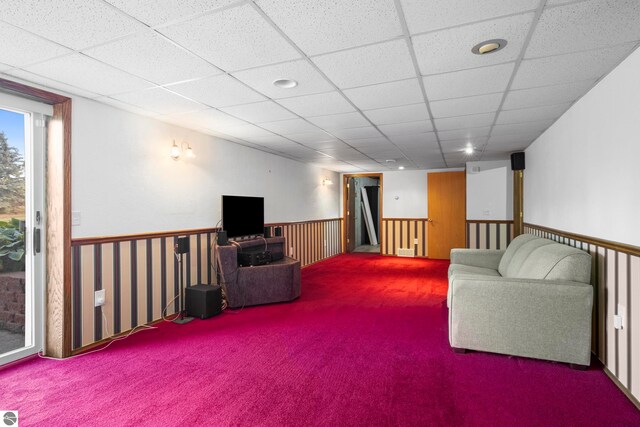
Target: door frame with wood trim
column 57, row 334
column 432, row 252
column 345, row 180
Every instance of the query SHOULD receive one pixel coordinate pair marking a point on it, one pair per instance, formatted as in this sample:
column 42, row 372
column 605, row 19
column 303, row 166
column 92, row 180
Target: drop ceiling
column 377, row 79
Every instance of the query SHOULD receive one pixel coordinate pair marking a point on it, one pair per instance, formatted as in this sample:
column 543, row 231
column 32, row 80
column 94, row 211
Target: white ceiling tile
column 159, row 100
column 531, row 114
column 321, row 145
column 320, row 26
column 458, row 145
column 340, row 121
column 585, row 25
column 355, row 133
column 513, row 138
column 421, row 139
column 233, row 39
column 377, row 141
column 462, row 106
column 346, row 153
column 311, row 137
column 320, row 104
column 463, row 122
column 259, row 112
column 402, row 114
column 386, row 94
column 25, row 48
column 285, row 127
column 208, row 119
column 48, row 83
column 432, row 15
column 76, row 23
column 466, row 134
column 248, row 131
column 476, row 81
column 271, row 140
column 154, row 12
column 570, row 67
column 151, row 56
column 548, row 95
column 450, row 50
column 521, row 128
column 378, row 63
column 4, row 67
column 218, row 91
column 262, row 78
column 82, row 71
column 382, row 153
column 410, row 128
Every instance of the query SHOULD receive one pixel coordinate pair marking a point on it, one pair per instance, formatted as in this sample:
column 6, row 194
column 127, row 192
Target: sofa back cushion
column 513, row 247
column 555, row 261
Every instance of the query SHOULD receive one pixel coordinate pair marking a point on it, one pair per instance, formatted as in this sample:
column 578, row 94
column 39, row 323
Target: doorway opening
column 363, row 212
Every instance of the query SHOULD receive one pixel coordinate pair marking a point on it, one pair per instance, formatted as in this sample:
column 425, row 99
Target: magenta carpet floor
column 365, row 345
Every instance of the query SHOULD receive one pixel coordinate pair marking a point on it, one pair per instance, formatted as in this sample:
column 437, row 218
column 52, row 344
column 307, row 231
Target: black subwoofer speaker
column 517, row 161
column 203, row 301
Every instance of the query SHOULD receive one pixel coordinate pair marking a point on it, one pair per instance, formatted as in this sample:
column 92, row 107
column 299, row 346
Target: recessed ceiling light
column 469, row 150
column 401, row 167
column 489, row 46
column 285, row 83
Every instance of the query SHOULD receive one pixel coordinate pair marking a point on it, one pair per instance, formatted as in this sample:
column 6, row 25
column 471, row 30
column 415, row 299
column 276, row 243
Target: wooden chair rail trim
column 489, row 221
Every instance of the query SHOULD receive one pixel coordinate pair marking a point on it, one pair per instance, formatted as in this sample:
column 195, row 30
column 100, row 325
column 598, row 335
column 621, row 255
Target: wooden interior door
column 351, row 219
column 446, row 194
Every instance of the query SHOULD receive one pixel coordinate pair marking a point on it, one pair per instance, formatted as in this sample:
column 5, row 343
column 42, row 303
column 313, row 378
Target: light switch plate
column 75, row 218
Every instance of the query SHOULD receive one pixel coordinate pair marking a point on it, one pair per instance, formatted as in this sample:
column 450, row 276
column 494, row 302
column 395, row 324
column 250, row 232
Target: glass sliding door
column 22, row 221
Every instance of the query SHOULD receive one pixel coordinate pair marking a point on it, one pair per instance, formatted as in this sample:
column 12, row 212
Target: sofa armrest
column 547, row 319
column 486, row 258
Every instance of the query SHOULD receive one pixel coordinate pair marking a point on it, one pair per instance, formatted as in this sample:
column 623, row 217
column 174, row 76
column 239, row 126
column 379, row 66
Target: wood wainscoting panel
column 616, row 282
column 404, row 233
column 488, row 234
column 140, row 274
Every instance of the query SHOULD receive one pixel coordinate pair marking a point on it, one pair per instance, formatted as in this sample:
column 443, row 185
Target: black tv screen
column 242, row 216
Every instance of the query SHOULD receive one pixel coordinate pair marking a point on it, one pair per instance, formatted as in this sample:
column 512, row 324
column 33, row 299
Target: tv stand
column 277, row 281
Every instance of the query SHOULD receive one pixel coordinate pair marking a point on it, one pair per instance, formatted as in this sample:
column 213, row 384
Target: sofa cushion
column 555, row 261
column 523, row 253
column 512, row 249
column 469, row 269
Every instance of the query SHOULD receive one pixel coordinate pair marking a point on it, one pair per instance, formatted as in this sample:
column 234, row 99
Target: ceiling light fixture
column 489, row 46
column 469, row 149
column 285, row 83
column 401, row 168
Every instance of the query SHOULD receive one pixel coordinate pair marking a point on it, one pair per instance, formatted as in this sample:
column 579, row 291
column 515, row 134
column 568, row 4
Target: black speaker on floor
column 278, row 231
column 183, row 245
column 517, row 161
column 204, row 301
column 267, row 232
column 222, row 238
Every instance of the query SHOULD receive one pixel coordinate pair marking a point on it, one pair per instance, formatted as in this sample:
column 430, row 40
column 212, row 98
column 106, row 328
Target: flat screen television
column 242, row 216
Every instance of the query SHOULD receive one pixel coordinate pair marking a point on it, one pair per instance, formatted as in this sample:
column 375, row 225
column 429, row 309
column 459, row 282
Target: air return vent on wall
column 406, row 252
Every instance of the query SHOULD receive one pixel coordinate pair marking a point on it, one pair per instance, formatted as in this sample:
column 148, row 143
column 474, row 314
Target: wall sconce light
column 326, row 181
column 177, row 151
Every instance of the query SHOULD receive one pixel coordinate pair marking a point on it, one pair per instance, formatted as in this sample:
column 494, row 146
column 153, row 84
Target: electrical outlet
column 75, row 218
column 99, row 298
column 486, row 212
column 618, row 318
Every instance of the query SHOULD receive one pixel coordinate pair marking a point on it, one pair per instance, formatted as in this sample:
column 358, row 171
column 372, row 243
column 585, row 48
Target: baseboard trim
column 622, row 388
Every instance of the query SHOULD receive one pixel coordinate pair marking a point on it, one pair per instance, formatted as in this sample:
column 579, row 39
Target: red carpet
column 365, row 345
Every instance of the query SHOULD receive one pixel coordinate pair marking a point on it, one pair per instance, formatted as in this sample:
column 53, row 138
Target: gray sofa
column 535, row 300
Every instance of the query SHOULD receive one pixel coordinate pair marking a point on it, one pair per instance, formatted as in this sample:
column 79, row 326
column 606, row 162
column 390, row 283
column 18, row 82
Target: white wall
column 404, row 194
column 124, row 182
column 490, row 190
column 582, row 174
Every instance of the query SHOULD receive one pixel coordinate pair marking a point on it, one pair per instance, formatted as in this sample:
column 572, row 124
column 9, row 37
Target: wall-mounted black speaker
column 183, row 245
column 278, row 231
column 267, row 232
column 517, row 161
column 222, row 238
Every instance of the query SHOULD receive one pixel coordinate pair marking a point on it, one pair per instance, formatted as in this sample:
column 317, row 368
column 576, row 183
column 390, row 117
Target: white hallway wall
column 582, row 174
column 124, row 182
column 490, row 191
